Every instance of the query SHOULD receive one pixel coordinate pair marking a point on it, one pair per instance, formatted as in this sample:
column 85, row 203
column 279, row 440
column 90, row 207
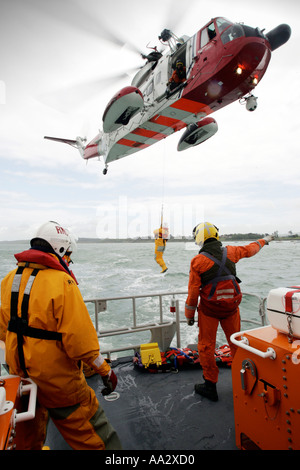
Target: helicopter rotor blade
column 72, row 14
column 66, row 98
column 176, row 13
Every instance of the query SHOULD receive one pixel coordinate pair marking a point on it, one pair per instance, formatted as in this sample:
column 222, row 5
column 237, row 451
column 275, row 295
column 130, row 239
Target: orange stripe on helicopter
column 182, row 104
column 191, row 106
column 176, row 124
column 132, row 143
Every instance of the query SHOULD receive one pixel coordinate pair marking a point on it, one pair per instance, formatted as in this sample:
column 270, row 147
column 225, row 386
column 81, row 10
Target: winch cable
column 163, row 184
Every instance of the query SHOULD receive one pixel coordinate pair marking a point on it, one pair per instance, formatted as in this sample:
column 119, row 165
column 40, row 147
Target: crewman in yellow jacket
column 161, row 237
column 48, row 334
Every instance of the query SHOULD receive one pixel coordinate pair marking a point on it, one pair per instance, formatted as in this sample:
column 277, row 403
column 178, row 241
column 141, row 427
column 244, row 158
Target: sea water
column 109, row 270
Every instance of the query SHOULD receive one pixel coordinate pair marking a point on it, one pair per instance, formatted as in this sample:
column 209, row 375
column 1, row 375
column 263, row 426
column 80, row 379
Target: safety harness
column 220, row 276
column 19, row 325
column 225, row 295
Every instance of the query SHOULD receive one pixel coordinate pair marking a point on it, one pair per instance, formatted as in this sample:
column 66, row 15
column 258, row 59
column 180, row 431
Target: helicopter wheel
column 105, row 170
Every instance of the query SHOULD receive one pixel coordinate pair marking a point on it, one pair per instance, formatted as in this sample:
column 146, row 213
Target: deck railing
column 168, row 327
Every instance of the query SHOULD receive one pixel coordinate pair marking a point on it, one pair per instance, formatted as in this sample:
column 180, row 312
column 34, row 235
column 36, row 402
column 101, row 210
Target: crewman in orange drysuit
column 178, row 75
column 48, row 334
column 213, row 278
column 161, row 237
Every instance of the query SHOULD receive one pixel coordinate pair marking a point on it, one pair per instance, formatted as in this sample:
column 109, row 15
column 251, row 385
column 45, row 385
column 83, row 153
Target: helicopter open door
column 161, row 77
column 178, row 56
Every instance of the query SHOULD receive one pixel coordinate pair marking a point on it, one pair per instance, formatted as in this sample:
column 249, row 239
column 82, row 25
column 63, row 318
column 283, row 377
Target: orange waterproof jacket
column 55, row 304
column 200, row 264
column 178, row 76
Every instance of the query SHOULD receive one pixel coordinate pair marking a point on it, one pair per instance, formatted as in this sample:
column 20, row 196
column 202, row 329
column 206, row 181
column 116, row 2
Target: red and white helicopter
column 224, row 61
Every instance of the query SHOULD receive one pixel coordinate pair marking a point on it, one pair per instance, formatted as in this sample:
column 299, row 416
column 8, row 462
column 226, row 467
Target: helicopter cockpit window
column 222, row 24
column 233, row 32
column 207, row 34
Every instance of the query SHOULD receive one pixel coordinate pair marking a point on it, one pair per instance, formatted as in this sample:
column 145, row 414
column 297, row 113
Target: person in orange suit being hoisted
column 161, row 237
column 213, row 278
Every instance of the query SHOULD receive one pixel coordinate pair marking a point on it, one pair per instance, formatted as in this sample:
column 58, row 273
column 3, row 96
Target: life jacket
column 19, row 325
column 175, row 359
column 44, row 257
column 68, row 261
column 172, row 360
column 220, row 292
column 223, row 356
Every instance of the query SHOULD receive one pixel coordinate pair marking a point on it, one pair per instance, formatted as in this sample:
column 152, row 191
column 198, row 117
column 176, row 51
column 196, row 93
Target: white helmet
column 58, row 237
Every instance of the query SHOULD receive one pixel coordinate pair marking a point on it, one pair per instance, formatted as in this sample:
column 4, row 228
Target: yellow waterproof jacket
column 55, row 304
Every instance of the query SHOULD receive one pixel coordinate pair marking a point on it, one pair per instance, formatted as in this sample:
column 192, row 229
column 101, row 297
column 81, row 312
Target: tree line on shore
column 226, row 237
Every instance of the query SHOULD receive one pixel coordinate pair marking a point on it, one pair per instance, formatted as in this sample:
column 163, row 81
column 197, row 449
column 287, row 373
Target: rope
column 163, row 184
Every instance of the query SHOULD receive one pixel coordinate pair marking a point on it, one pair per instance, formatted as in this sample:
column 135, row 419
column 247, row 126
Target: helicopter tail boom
column 90, row 150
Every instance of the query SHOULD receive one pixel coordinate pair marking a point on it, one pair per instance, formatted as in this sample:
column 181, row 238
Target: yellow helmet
column 204, row 231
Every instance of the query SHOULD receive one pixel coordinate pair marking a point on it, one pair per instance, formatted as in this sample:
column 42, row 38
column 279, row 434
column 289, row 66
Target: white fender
column 197, row 132
column 121, row 108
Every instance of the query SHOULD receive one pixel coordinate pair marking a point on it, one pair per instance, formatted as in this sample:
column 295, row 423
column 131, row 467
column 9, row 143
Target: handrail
column 30, row 387
column 124, row 331
column 100, row 306
column 102, row 301
column 244, row 344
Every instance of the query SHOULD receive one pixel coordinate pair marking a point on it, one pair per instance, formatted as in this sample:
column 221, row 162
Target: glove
column 110, row 382
column 190, row 321
column 269, row 238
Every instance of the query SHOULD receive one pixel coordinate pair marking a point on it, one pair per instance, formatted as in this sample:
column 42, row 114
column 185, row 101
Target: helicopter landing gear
column 105, row 170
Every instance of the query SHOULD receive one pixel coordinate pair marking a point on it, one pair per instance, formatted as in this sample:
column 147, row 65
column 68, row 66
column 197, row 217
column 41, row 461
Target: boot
column 207, row 389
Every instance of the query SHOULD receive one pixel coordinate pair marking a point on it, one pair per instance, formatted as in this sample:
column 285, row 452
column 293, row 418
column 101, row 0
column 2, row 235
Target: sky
column 57, row 63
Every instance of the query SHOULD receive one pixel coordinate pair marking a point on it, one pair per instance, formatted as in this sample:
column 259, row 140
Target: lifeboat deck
column 160, row 411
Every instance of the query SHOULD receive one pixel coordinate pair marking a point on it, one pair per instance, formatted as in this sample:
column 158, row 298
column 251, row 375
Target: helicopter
column 223, row 62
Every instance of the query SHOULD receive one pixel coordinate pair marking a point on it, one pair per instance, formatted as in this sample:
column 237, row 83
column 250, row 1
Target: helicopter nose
column 279, row 36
